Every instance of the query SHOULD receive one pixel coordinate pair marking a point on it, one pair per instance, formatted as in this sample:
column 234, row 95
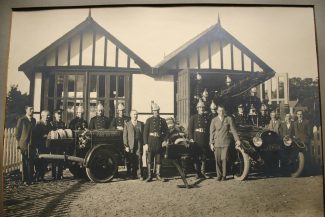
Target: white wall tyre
column 241, row 165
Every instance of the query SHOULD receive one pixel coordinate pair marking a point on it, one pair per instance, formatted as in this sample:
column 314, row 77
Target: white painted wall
column 37, row 92
column 145, row 89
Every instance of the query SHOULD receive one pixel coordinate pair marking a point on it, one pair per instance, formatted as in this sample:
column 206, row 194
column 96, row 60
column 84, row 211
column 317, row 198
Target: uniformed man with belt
column 155, row 131
column 78, row 123
column 100, row 121
column 198, row 132
column 57, row 123
column 121, row 118
column 240, row 117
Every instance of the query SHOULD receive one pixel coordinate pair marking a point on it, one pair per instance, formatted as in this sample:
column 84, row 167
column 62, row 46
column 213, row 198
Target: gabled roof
column 217, row 32
column 88, row 23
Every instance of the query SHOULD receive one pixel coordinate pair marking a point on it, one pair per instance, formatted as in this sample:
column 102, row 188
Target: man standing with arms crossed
column 220, row 138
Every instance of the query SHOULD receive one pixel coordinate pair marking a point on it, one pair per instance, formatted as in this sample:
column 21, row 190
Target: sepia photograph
column 163, row 111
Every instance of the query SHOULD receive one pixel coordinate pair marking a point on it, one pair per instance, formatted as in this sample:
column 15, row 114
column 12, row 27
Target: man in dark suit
column 78, row 123
column 119, row 121
column 23, row 134
column 40, row 133
column 133, row 142
column 220, row 138
column 155, row 131
column 100, row 121
column 274, row 124
column 198, row 133
column 303, row 132
column 287, row 128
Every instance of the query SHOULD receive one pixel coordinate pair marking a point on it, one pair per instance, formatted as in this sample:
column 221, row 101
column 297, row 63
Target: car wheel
column 102, row 166
column 296, row 165
column 241, row 164
column 77, row 171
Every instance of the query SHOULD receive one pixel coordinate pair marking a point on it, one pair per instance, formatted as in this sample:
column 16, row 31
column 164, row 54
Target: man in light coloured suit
column 220, row 139
column 274, row 124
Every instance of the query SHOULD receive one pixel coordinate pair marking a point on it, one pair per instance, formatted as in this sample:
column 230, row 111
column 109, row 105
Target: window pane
column 70, row 110
column 80, row 86
column 101, row 86
column 112, row 87
column 71, row 86
column 51, row 86
column 273, row 88
column 59, row 86
column 93, row 86
column 121, row 86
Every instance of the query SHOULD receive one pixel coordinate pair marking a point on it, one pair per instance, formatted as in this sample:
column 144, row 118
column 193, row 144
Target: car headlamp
column 287, row 141
column 257, row 141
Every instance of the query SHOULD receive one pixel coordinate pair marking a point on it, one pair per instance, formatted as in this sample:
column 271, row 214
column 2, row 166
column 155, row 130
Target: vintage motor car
column 93, row 153
column 262, row 150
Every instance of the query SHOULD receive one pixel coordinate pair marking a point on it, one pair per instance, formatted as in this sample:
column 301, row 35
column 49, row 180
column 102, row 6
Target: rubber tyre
column 301, row 164
column 102, row 166
column 244, row 161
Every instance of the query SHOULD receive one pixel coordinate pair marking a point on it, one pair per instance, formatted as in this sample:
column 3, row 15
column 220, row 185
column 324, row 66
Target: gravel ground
column 259, row 196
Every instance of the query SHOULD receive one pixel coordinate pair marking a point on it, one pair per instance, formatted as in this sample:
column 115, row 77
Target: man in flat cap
column 240, row 117
column 23, row 134
column 120, row 120
column 198, row 133
column 155, row 131
column 78, row 123
column 100, row 121
column 57, row 123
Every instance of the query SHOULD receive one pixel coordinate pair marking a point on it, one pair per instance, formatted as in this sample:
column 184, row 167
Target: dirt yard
column 259, row 196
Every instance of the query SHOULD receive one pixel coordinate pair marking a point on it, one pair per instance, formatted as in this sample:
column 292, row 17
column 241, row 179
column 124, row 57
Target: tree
column 15, row 104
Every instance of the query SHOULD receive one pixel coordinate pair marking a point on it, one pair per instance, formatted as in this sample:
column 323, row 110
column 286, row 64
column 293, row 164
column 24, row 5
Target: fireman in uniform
column 240, row 117
column 252, row 117
column 121, row 118
column 78, row 123
column 213, row 109
column 155, row 131
column 57, row 123
column 100, row 121
column 198, row 133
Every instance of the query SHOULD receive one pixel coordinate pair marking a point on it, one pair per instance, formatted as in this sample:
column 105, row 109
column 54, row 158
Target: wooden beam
column 86, row 68
column 116, row 57
column 94, row 48
column 80, row 49
column 252, row 66
column 105, row 52
column 198, row 58
column 242, row 61
column 188, row 61
column 69, row 52
column 56, row 56
column 128, row 62
column 232, row 55
column 221, row 54
column 209, row 54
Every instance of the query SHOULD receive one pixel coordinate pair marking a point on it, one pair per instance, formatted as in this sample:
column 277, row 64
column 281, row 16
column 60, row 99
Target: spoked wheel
column 102, row 166
column 294, row 164
column 241, row 164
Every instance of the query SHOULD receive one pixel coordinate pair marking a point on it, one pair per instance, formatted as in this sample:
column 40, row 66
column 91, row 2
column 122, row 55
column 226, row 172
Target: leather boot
column 158, row 173
column 203, row 171
column 197, row 171
column 149, row 178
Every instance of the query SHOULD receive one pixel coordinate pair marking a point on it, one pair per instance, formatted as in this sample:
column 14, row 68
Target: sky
column 284, row 38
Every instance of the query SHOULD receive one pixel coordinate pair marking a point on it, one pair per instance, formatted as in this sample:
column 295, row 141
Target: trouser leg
column 223, row 156
column 139, row 169
column 217, row 156
column 149, row 161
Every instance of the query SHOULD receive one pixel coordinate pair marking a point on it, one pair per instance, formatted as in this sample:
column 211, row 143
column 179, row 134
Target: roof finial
column 219, row 22
column 89, row 12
